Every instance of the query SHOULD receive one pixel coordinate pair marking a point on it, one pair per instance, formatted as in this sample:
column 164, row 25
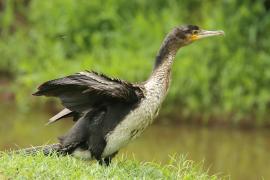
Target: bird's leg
column 108, row 159
column 98, row 157
column 97, row 152
column 104, row 162
column 100, row 161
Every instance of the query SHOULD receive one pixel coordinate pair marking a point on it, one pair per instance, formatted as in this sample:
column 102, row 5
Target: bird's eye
column 195, row 32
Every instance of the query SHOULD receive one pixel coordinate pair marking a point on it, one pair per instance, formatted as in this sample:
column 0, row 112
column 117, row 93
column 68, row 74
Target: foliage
column 222, row 78
column 41, row 167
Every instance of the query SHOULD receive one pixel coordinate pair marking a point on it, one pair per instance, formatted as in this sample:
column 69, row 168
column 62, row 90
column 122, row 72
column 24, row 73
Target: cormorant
column 109, row 113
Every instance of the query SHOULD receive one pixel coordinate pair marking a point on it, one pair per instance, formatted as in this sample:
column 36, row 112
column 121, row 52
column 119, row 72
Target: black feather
column 90, row 130
column 81, row 91
column 97, row 102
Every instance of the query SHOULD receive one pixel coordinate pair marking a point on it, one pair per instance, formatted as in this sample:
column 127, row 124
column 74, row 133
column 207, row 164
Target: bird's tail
column 45, row 149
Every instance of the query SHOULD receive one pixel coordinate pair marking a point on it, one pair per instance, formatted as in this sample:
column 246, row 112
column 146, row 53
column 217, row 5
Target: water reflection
column 242, row 154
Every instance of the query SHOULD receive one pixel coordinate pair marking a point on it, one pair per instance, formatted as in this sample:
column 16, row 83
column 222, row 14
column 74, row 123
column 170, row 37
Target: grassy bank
column 41, row 167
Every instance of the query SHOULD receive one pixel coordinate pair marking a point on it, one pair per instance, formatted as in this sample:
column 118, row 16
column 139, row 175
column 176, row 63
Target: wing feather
column 62, row 114
column 83, row 91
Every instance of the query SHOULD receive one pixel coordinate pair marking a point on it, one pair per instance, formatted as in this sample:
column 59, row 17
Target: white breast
column 137, row 120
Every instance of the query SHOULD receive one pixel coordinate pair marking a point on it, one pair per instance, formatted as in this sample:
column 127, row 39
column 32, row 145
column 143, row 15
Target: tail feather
column 46, row 150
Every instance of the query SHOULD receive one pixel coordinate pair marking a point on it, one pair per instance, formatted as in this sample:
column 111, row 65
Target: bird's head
column 184, row 35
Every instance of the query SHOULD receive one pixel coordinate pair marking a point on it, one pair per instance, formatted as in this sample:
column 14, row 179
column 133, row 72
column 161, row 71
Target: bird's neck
column 163, row 63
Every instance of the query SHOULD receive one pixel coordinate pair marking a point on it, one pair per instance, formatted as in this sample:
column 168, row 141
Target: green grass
column 18, row 166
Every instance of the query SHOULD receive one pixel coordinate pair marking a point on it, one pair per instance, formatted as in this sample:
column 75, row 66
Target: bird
column 107, row 112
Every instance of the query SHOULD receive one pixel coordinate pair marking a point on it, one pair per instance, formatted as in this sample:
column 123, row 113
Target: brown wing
column 87, row 90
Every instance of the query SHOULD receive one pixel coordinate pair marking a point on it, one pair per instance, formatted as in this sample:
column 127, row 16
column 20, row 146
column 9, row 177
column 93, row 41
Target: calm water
column 242, row 154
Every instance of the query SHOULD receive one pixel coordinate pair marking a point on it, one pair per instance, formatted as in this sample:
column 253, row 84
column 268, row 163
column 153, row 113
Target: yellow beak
column 204, row 33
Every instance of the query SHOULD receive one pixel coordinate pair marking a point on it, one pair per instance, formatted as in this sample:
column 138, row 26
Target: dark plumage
column 89, row 90
column 98, row 103
column 108, row 112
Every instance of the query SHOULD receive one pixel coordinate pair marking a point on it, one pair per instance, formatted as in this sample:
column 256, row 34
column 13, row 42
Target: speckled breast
column 138, row 120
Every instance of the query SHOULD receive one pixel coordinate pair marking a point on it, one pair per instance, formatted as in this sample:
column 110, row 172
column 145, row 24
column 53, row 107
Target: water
column 241, row 154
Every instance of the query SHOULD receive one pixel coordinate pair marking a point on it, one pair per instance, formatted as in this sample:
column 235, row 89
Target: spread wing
column 87, row 90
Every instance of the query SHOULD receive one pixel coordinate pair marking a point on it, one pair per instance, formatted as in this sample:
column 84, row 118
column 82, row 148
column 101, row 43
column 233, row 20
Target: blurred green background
column 223, row 81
